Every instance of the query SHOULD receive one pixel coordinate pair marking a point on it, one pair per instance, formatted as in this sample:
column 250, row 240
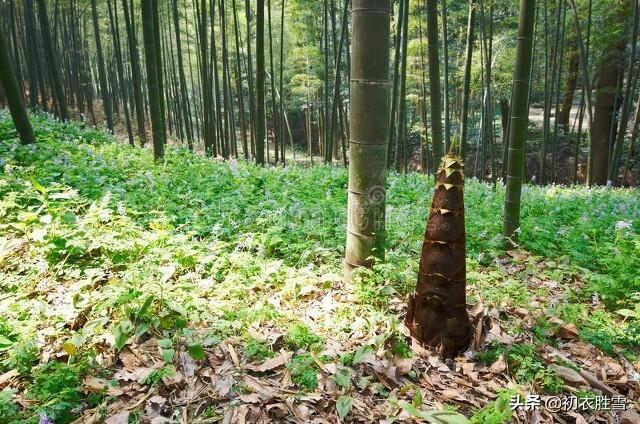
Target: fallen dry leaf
column 254, row 385
column 499, row 365
column 579, row 418
column 267, row 365
column 7, row 377
column 137, row 374
column 100, row 385
column 629, row 416
column 567, row 331
column 569, row 376
column 120, row 418
column 404, row 365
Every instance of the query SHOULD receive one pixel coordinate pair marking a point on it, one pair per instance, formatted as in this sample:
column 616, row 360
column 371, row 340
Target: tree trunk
column 184, row 98
column 205, row 84
column 336, row 81
column 281, row 106
column 219, row 140
column 159, row 68
column 115, row 31
column 150, row 53
column 328, row 148
column 400, row 162
column 245, row 145
column 369, row 133
column 13, row 95
column 395, row 81
column 260, row 115
column 627, row 99
column 251, row 86
column 586, row 80
column 556, row 123
column 570, row 87
column 230, row 136
column 277, row 137
column 445, row 64
column 104, row 89
column 635, row 131
column 605, row 106
column 434, row 82
column 136, row 78
column 519, row 122
column 31, row 52
column 54, row 68
column 464, row 118
column 504, row 119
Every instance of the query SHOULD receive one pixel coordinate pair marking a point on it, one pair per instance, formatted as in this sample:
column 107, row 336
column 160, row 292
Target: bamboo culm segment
column 157, row 126
column 14, row 96
column 369, row 131
column 434, row 80
column 519, row 122
column 437, row 315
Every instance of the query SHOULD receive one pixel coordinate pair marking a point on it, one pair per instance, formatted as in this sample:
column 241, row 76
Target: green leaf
column 38, row 186
column 196, row 351
column 211, row 340
column 4, row 342
column 167, row 355
column 417, row 398
column 165, row 343
column 141, row 328
column 121, row 333
column 411, row 409
column 342, row 378
column 343, row 406
column 627, row 313
column 361, row 354
column 145, row 306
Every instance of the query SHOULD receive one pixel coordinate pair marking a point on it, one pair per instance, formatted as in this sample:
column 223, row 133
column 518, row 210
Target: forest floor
column 204, row 291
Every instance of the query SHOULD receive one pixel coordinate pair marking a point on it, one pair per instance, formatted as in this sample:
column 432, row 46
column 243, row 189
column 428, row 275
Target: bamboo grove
column 267, row 80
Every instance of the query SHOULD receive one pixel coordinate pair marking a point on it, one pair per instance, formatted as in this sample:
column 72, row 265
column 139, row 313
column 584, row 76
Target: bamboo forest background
column 86, row 60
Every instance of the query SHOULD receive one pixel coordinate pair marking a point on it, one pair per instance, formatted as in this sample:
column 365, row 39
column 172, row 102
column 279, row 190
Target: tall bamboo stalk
column 260, row 115
column 150, row 52
column 369, row 133
column 464, row 118
column 51, row 57
column 13, row 94
column 627, row 99
column 434, row 82
column 519, row 122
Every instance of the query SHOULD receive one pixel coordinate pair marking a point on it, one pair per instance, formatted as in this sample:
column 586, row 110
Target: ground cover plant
column 206, row 289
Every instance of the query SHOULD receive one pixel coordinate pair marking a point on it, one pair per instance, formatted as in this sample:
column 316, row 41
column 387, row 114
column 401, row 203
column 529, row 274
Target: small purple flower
column 44, row 419
column 623, row 225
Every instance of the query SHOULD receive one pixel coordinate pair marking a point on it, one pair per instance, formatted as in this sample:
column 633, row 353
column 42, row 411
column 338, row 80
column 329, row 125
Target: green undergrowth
column 100, row 247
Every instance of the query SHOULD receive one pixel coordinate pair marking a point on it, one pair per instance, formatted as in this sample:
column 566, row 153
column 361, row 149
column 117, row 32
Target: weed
column 8, row 409
column 304, row 370
column 498, row 412
column 157, row 375
column 528, row 368
column 22, row 356
column 258, row 350
column 57, row 386
column 400, row 347
column 300, row 337
column 490, row 354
